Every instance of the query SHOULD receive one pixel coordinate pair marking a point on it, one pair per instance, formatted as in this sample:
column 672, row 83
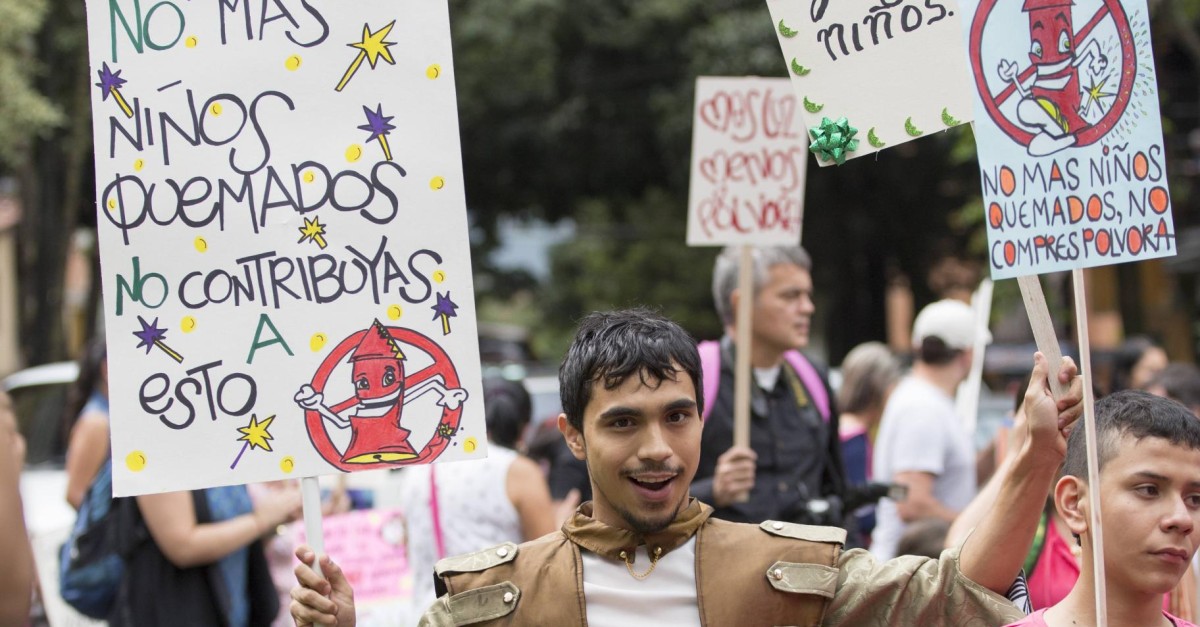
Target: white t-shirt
column 920, row 432
column 473, row 508
column 615, row 598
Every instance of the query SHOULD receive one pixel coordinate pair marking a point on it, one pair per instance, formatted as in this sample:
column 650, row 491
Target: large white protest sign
column 283, row 239
column 1068, row 132
column 893, row 70
column 749, row 157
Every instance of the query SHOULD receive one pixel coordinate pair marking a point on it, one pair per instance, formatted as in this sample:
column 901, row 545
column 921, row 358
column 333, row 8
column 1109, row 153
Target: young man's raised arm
column 993, row 554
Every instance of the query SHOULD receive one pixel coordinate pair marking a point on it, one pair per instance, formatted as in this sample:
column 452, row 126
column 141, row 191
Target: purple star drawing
column 445, row 309
column 379, row 126
column 152, row 336
column 110, row 83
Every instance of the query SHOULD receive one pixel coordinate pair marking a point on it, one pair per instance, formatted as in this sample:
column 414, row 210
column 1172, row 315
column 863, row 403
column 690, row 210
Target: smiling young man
column 644, row 552
column 1149, row 450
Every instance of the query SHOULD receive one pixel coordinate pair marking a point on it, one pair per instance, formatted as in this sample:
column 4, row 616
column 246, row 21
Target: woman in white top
column 504, row 498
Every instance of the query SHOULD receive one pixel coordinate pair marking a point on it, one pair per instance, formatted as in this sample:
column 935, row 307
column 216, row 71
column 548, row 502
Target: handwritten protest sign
column 1068, row 132
column 370, row 546
column 749, row 157
column 895, row 70
column 283, row 240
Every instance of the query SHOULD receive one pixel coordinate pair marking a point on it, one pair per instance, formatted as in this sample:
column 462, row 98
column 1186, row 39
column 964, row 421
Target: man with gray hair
column 792, row 469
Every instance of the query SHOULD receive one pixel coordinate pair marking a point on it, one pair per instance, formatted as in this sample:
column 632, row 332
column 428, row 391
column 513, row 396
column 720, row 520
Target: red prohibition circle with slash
column 1112, row 9
column 441, row 366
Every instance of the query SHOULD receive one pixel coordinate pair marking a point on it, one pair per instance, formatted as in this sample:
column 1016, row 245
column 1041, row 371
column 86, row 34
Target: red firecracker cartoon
column 380, row 394
column 1051, row 94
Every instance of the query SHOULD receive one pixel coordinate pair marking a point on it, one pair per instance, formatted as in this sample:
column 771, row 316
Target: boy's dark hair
column 1134, row 413
column 507, row 409
column 612, row 346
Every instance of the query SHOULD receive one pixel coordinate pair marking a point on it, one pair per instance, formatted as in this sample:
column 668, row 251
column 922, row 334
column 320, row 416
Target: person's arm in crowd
column 992, row 556
column 732, row 479
column 86, row 451
column 530, row 496
column 17, row 576
column 986, row 499
column 171, row 519
column 919, row 501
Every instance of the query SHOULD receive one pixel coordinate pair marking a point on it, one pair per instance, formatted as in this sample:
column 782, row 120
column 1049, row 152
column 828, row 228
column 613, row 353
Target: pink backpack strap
column 710, row 368
column 439, row 542
column 812, row 381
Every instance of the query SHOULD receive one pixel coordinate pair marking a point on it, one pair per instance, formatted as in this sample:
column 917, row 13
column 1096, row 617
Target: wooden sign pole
column 1093, row 456
column 310, row 499
column 741, row 380
column 1043, row 333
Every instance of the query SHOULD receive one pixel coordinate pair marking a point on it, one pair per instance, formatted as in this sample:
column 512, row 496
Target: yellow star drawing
column 313, row 230
column 255, row 433
column 1094, row 94
column 370, row 48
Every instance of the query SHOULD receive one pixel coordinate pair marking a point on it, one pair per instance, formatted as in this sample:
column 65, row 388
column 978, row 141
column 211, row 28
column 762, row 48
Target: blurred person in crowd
column 792, row 469
column 924, row 538
column 922, row 443
column 1135, row 362
column 203, row 562
column 869, row 373
column 87, row 422
column 1149, row 475
column 645, row 553
column 564, row 473
column 470, row 505
column 1178, row 381
column 17, row 576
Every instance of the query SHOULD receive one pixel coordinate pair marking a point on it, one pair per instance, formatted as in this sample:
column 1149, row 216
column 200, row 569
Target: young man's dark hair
column 1137, row 414
column 612, row 346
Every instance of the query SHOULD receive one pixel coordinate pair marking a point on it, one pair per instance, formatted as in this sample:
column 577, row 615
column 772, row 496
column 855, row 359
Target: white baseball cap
column 951, row 321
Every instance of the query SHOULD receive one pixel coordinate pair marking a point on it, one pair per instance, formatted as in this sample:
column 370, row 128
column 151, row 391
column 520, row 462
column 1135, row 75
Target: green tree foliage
column 25, row 112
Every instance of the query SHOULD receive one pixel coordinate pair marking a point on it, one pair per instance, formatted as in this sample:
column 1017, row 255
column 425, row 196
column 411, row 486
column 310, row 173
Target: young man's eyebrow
column 619, row 411
column 1153, row 476
column 683, row 403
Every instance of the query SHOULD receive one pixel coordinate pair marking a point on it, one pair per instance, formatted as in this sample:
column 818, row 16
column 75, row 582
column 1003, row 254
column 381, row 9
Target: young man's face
column 783, row 308
column 1150, row 507
column 641, row 442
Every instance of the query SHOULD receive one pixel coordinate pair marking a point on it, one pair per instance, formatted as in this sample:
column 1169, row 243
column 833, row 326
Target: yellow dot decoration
column 309, row 176
column 317, row 342
column 433, row 71
column 293, row 62
column 439, row 276
column 215, row 108
column 470, row 445
column 138, row 164
column 191, row 42
column 201, row 244
column 112, row 204
column 354, row 153
column 188, row 324
column 437, row 183
column 287, row 464
column 136, row 461
column 394, row 312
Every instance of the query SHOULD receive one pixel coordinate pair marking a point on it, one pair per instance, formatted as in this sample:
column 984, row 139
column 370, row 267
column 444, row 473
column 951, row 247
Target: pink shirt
column 1036, row 620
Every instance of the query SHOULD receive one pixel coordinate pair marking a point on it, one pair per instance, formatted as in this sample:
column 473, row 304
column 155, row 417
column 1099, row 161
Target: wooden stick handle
column 1093, row 456
column 1043, row 329
column 741, row 380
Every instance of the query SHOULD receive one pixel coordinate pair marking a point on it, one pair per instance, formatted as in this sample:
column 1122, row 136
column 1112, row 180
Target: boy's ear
column 573, row 436
column 1070, row 498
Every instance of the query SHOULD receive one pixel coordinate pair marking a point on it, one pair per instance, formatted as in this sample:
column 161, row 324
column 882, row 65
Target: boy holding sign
column 1150, row 499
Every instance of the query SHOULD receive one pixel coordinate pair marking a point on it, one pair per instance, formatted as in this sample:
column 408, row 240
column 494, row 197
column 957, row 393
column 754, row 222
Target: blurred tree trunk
column 55, row 184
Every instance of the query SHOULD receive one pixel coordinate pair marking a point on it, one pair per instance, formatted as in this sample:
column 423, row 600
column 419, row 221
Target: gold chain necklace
column 653, row 562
